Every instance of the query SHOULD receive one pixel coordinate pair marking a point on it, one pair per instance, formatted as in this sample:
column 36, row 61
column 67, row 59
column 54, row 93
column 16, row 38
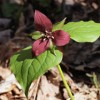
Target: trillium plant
column 48, row 38
column 34, row 61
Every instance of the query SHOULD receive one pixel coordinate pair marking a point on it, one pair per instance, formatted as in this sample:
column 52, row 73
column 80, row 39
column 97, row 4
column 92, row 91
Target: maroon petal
column 40, row 46
column 42, row 23
column 61, row 38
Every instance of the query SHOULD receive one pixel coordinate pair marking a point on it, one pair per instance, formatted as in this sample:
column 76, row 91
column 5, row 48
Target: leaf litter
column 76, row 61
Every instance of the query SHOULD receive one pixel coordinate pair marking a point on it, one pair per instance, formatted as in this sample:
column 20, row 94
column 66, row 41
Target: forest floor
column 81, row 62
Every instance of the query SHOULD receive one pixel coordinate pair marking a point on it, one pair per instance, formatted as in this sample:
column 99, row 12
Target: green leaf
column 83, row 31
column 27, row 68
column 59, row 25
column 36, row 35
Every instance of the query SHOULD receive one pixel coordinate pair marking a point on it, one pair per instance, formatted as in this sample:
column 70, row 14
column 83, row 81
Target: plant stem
column 95, row 80
column 65, row 83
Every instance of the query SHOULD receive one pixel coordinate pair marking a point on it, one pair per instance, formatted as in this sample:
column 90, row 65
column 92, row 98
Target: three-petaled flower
column 44, row 25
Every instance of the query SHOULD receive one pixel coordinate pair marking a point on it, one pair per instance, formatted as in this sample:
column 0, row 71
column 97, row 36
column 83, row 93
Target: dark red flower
column 44, row 25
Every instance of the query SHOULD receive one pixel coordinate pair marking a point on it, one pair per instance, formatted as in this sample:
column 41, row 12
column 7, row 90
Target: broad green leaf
column 28, row 68
column 83, row 31
column 59, row 25
column 36, row 35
